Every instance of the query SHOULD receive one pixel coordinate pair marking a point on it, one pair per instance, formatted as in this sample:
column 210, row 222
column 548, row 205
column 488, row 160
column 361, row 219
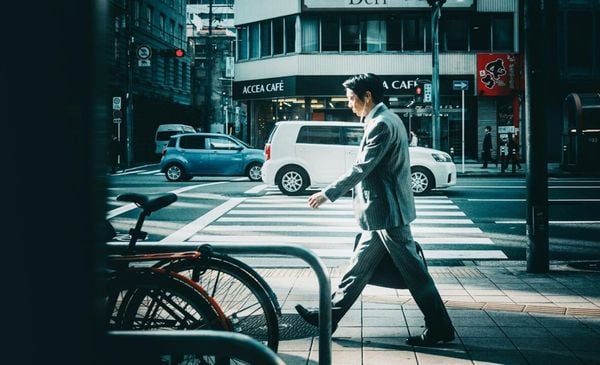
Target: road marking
column 337, row 205
column 549, row 222
column 190, row 229
column 338, row 220
column 353, row 228
column 256, row 212
column 150, row 172
column 522, row 200
column 257, row 189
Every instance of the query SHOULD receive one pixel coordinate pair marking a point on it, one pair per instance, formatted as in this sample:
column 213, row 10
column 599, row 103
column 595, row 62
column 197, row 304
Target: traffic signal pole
column 537, row 252
column 436, row 10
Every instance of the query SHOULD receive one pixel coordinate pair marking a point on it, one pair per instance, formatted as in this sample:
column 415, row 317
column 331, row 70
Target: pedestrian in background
column 486, row 153
column 513, row 150
column 384, row 207
column 114, row 151
column 504, row 154
column 414, row 141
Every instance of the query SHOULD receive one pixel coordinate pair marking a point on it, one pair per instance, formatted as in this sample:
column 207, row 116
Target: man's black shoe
column 430, row 338
column 312, row 317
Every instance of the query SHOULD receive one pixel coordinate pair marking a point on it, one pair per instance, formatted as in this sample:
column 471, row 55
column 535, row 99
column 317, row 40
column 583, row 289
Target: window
column 374, row 31
column 162, row 18
column 192, row 142
column 319, row 135
column 222, row 143
column 149, row 16
column 242, row 42
column 350, row 33
column 413, row 34
column 265, row 38
column 137, row 10
column 480, row 33
column 254, row 40
column 290, row 34
column 330, row 33
column 353, row 136
column 278, row 36
column 502, row 29
column 393, row 33
column 454, row 31
column 579, row 46
column 310, row 34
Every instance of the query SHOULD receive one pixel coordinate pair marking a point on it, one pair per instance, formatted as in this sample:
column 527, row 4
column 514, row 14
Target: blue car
column 210, row 154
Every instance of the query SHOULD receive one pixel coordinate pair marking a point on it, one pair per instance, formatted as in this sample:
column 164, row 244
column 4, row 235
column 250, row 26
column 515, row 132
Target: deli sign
column 497, row 74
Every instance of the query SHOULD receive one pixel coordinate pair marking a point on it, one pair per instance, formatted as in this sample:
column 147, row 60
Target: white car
column 303, row 154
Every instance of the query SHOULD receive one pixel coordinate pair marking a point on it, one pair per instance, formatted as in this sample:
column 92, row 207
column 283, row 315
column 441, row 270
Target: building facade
column 149, row 84
column 293, row 56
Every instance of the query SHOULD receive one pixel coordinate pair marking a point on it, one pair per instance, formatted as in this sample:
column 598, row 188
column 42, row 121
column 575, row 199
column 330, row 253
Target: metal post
column 209, row 67
column 129, row 92
column 537, row 175
column 462, row 92
column 436, row 10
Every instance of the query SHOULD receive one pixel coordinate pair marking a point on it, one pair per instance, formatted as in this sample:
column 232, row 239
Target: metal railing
column 298, row 251
column 126, row 344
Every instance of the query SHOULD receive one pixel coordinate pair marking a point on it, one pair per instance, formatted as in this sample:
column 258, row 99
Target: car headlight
column 441, row 157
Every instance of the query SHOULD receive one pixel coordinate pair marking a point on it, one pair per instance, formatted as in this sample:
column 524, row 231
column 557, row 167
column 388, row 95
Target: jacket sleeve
column 376, row 145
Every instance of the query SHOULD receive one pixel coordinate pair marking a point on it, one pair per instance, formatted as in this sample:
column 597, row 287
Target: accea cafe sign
column 322, row 4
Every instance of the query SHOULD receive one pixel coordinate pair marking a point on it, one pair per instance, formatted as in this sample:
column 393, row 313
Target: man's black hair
column 362, row 83
column 488, row 128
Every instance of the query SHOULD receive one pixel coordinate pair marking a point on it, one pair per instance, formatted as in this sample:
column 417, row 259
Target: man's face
column 354, row 103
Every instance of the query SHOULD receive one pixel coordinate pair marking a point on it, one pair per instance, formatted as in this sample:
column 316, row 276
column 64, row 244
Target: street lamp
column 436, row 10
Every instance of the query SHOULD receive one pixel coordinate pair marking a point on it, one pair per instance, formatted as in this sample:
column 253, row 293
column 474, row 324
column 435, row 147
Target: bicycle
column 194, row 290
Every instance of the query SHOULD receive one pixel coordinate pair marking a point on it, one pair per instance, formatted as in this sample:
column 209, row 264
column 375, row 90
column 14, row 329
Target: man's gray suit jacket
column 380, row 176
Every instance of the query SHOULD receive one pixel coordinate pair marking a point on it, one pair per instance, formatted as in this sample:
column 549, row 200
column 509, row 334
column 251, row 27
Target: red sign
column 497, row 74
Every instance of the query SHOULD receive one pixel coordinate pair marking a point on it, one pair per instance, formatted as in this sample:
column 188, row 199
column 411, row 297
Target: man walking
column 487, row 147
column 384, row 207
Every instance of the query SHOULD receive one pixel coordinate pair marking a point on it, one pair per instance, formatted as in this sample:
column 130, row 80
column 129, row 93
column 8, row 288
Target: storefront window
column 310, row 34
column 290, row 109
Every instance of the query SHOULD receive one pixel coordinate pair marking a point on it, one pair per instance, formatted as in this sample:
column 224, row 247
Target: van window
column 319, row 135
column 353, row 136
column 192, row 142
column 272, row 134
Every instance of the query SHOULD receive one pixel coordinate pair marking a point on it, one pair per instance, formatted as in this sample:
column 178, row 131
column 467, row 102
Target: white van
column 303, row 154
column 164, row 133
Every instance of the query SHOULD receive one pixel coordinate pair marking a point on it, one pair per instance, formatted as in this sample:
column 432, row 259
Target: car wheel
column 292, row 180
column 174, row 173
column 254, row 172
column 421, row 180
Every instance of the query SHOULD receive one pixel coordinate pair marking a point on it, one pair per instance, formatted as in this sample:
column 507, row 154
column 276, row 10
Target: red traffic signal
column 174, row 52
column 418, row 90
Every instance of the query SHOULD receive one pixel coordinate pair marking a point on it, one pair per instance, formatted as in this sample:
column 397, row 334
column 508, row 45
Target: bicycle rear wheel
column 147, row 299
column 245, row 302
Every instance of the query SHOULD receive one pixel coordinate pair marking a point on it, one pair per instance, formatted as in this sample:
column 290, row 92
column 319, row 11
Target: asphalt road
column 478, row 219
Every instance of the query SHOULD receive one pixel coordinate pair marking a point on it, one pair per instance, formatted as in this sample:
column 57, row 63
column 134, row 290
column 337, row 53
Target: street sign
column 427, row 93
column 460, row 85
column 144, row 63
column 143, row 52
column 117, row 120
column 116, row 103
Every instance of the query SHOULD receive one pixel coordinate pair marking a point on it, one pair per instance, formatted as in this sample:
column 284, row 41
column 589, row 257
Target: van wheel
column 174, row 173
column 421, row 180
column 292, row 180
column 254, row 171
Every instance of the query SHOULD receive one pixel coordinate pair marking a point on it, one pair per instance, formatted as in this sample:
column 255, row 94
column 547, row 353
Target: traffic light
column 172, row 52
column 418, row 94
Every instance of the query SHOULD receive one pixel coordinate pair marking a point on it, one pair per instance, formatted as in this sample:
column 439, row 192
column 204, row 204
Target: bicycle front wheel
column 245, row 302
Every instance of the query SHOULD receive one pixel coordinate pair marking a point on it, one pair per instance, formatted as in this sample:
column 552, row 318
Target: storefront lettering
column 400, row 84
column 367, row 2
column 261, row 88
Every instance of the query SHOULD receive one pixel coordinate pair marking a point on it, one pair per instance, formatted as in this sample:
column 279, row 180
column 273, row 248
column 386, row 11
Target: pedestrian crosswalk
column 441, row 228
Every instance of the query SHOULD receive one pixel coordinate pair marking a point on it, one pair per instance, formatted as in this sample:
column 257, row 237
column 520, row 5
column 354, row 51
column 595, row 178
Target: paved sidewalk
column 472, row 168
column 502, row 315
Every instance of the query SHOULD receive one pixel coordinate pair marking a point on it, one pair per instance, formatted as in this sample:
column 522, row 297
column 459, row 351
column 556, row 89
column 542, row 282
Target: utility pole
column 537, row 169
column 436, row 11
column 209, row 67
column 129, row 90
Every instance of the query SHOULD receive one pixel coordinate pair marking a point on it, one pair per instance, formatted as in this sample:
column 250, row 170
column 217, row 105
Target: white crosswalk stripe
column 441, row 228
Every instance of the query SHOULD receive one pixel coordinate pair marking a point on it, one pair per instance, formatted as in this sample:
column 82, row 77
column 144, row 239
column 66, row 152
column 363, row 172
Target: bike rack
column 217, row 343
column 298, row 251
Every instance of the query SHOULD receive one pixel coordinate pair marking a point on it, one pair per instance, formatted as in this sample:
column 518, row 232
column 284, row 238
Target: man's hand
column 315, row 200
